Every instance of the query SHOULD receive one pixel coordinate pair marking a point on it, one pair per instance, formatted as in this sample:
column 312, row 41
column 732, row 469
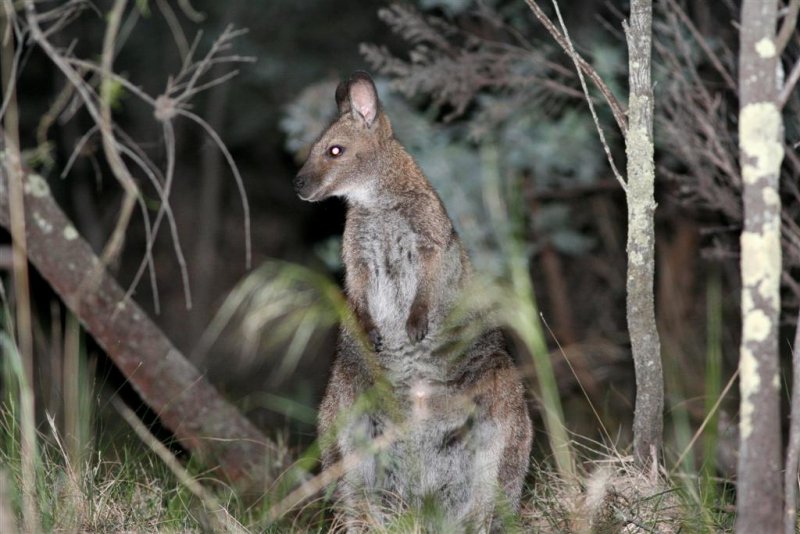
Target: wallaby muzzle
column 304, row 186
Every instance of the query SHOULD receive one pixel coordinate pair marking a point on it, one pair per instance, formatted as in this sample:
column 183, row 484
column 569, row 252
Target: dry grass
column 610, row 496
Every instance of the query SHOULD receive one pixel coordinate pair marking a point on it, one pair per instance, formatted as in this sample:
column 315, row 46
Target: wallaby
column 411, row 426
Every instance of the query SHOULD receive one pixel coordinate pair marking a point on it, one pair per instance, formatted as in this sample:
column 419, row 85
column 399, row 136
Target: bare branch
column 102, row 117
column 793, row 448
column 175, row 27
column 165, row 109
column 574, row 56
column 787, row 27
column 701, row 41
column 8, row 91
column 191, row 12
column 616, row 108
column 110, row 146
column 789, row 85
column 169, row 141
column 235, row 170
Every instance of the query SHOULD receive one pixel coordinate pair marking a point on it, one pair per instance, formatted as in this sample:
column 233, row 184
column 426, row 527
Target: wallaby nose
column 299, row 183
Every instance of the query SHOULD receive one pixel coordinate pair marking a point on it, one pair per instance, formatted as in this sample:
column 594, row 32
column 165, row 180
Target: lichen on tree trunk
column 645, row 344
column 759, row 494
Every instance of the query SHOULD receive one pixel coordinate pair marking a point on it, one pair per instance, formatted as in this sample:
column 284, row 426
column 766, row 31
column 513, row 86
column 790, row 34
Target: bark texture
column 202, row 421
column 645, row 343
column 759, row 493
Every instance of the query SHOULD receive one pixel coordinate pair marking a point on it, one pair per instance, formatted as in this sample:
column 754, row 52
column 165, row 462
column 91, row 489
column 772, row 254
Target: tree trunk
column 759, row 494
column 201, row 420
column 645, row 344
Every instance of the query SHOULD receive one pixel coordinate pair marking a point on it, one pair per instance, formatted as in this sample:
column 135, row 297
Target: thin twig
column 191, row 12
column 787, row 27
column 175, row 27
column 789, row 85
column 16, row 214
column 575, row 59
column 217, row 511
column 53, row 112
column 114, row 245
column 7, row 91
column 147, row 260
column 566, row 45
column 577, row 379
column 102, row 118
column 698, row 37
column 165, row 209
column 78, row 149
column 793, row 448
column 166, row 107
column 238, row 177
column 709, row 417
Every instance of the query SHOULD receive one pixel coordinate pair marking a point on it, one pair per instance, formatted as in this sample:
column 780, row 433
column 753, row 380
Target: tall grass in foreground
column 108, row 480
column 83, row 477
column 281, row 305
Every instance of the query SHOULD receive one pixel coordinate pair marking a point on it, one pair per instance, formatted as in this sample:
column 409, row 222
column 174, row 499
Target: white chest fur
column 388, row 247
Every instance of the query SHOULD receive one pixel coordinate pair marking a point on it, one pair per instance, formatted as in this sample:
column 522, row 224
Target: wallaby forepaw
column 417, row 324
column 375, row 339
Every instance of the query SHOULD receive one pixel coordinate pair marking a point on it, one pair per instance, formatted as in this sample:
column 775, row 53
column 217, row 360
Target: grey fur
column 454, row 425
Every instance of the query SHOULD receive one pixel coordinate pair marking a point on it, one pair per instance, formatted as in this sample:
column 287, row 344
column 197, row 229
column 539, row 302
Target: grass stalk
column 523, row 316
column 22, row 349
column 713, row 385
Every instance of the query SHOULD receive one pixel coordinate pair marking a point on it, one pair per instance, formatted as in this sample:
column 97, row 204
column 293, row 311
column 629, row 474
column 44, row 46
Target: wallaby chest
column 382, row 245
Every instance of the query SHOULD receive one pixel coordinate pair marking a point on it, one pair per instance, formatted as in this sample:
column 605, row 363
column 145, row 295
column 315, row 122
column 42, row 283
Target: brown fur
column 458, row 422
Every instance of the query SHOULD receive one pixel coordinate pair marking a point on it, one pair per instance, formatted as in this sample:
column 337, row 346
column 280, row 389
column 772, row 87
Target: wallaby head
column 346, row 158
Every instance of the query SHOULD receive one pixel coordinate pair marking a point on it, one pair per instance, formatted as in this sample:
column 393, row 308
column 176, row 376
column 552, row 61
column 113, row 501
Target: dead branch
column 704, row 46
column 789, row 85
column 110, row 146
column 173, row 102
column 101, row 117
column 574, row 55
column 613, row 103
column 186, row 403
column 787, row 27
column 175, row 27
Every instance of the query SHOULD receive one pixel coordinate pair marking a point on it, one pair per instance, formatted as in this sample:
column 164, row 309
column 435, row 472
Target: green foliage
column 113, row 91
column 144, row 7
column 560, row 152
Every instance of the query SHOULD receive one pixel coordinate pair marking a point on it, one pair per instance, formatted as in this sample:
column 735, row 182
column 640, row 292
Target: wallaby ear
column 363, row 97
column 343, row 97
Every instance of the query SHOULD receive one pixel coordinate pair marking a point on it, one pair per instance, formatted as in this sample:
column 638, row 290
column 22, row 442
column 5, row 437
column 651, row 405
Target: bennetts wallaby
column 415, row 427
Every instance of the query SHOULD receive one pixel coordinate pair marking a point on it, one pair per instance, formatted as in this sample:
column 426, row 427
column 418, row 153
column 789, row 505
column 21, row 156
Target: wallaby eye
column 335, row 151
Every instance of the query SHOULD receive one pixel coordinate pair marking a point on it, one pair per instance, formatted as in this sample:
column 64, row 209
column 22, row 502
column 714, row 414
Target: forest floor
column 121, row 484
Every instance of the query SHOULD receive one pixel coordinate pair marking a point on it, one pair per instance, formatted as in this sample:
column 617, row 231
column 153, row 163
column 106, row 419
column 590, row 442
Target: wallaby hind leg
column 501, row 393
